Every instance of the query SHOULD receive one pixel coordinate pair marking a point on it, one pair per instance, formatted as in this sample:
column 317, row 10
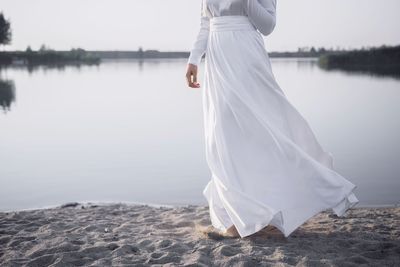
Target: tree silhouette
column 5, row 30
column 140, row 52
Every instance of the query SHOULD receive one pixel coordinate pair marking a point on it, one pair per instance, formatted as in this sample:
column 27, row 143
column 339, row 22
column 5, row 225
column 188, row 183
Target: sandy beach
column 90, row 234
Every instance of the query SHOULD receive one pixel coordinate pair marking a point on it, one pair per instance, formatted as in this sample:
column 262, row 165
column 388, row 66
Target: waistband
column 231, row 23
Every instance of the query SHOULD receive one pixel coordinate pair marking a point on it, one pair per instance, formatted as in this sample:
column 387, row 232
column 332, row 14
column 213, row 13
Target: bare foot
column 231, row 232
column 215, row 234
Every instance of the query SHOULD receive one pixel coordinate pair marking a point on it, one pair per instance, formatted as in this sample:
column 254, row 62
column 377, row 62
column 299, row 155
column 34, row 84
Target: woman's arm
column 262, row 13
column 200, row 45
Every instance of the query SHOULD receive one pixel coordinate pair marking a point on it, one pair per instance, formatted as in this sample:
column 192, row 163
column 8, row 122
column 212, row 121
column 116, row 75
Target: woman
column 267, row 166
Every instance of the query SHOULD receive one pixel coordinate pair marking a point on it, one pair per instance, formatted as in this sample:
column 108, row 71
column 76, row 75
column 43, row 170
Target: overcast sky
column 172, row 25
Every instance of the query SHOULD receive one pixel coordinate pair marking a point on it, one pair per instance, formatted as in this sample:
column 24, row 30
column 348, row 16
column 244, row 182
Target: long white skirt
column 267, row 166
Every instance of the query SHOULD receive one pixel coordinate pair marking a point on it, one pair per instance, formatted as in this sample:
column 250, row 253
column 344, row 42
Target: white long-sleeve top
column 262, row 13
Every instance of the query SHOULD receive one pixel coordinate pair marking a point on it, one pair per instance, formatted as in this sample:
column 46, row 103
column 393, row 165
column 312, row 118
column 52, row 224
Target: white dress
column 267, row 166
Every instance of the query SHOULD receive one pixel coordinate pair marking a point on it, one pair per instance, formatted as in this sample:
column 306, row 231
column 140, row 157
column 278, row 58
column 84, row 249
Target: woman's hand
column 191, row 76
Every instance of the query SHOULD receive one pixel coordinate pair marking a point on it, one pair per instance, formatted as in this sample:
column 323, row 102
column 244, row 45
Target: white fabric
column 267, row 166
column 262, row 14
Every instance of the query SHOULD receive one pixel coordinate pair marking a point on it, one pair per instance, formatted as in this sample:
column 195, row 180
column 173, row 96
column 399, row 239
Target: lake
column 132, row 131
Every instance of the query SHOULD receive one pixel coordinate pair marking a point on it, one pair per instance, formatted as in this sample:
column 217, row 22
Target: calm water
column 132, row 131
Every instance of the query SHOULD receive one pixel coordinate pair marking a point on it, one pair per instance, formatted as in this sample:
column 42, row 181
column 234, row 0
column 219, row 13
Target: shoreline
column 134, row 203
column 126, row 234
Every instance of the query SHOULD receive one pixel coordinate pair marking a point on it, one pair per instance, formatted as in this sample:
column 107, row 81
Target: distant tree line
column 47, row 56
column 383, row 60
column 139, row 54
column 384, row 55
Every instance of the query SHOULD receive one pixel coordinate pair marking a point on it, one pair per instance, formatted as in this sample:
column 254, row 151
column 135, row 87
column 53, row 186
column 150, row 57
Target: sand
column 90, row 234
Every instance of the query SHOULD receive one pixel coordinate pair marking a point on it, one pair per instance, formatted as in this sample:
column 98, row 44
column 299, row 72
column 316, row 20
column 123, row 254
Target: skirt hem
column 348, row 201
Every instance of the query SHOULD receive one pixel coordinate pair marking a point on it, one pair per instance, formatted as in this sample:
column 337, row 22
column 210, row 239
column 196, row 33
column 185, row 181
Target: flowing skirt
column 267, row 167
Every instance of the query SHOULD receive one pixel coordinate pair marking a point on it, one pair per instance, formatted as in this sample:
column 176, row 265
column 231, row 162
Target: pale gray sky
column 172, row 25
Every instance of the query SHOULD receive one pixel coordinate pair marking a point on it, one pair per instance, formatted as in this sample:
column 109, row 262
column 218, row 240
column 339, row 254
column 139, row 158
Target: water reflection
column 300, row 63
column 313, row 63
column 31, row 68
column 7, row 94
column 374, row 71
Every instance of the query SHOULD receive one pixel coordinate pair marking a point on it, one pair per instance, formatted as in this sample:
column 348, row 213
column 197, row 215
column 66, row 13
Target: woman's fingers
column 191, row 76
column 195, row 83
column 191, row 83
